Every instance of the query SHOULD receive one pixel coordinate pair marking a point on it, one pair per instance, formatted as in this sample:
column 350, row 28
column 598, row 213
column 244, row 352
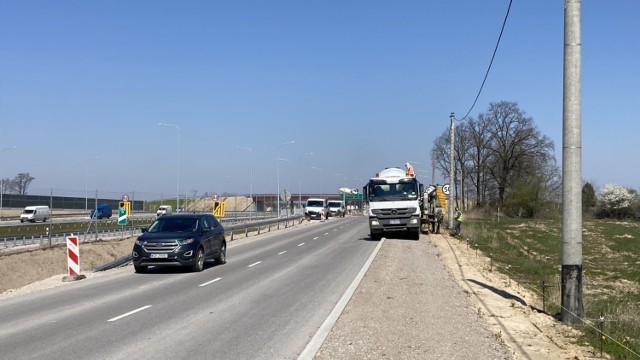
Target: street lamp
column 86, row 184
column 300, row 178
column 2, row 178
column 278, row 173
column 250, row 178
column 178, row 176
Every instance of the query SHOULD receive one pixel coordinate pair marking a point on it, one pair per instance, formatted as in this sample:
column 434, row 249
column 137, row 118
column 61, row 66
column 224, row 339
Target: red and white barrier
column 73, row 255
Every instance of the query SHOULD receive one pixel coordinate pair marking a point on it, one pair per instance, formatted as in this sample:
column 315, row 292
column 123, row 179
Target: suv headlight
column 186, row 241
column 139, row 242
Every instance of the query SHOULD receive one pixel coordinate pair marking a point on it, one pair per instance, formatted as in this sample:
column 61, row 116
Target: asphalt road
column 267, row 302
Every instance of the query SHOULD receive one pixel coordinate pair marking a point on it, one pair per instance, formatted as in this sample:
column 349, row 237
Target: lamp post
column 250, row 178
column 300, row 178
column 178, row 175
column 1, row 176
column 86, row 184
column 278, row 173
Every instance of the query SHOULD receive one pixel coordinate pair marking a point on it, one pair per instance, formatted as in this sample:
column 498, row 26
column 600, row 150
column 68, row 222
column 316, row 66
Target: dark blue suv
column 180, row 240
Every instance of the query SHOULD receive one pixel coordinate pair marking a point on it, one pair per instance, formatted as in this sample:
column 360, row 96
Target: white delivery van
column 164, row 210
column 316, row 209
column 35, row 213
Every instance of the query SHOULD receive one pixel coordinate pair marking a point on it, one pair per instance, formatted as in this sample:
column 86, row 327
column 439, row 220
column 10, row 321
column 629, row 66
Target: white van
column 35, row 213
column 164, row 210
column 316, row 209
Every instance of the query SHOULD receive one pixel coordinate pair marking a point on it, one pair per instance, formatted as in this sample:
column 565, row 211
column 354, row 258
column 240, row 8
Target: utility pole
column 572, row 307
column 452, row 183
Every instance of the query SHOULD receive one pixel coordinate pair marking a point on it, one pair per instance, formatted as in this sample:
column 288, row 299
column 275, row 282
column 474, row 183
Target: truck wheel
column 415, row 235
column 374, row 237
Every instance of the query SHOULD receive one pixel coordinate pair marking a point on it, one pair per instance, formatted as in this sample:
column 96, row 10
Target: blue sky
column 362, row 84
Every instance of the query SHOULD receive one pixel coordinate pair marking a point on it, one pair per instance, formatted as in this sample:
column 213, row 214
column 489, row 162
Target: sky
column 358, row 86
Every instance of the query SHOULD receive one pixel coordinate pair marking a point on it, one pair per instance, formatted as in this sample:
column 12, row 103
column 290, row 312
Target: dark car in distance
column 180, row 240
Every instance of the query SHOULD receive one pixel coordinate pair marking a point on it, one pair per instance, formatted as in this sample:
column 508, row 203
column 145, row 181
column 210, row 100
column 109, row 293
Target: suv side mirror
column 143, row 229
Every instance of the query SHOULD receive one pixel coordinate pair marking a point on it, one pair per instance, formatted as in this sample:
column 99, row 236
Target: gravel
column 408, row 306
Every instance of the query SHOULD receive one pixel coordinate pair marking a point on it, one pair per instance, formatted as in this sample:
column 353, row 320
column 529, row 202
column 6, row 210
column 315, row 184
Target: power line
column 490, row 63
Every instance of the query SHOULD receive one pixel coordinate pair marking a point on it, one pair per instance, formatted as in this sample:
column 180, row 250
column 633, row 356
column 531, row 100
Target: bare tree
column 515, row 139
column 21, row 183
column 479, row 155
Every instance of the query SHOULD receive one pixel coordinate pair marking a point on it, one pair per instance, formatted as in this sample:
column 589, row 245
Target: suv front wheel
column 199, row 264
column 222, row 254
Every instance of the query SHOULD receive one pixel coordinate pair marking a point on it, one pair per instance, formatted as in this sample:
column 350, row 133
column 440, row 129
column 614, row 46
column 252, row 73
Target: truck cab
column 164, row 210
column 395, row 203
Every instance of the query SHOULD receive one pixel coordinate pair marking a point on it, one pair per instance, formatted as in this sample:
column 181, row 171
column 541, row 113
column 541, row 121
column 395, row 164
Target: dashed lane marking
column 129, row 313
column 210, row 282
column 254, row 264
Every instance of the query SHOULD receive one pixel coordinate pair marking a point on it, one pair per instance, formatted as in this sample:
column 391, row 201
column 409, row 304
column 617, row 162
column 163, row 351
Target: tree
column 589, row 200
column 21, row 183
column 617, row 201
column 515, row 139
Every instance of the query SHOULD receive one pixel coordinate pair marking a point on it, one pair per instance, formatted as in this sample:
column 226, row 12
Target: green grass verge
column 529, row 251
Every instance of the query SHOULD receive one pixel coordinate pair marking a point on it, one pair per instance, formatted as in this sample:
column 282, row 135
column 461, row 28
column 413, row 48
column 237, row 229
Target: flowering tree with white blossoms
column 618, row 201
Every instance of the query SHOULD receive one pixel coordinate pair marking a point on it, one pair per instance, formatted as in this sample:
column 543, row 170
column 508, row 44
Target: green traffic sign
column 122, row 216
column 357, row 196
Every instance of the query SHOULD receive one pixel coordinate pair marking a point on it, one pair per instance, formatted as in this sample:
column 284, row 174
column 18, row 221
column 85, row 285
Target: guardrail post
column 246, row 231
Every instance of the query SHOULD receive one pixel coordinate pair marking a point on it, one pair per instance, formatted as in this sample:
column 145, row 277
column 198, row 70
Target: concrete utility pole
column 452, row 183
column 572, row 307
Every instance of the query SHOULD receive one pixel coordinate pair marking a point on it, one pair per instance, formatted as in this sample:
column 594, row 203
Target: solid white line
column 301, row 244
column 129, row 313
column 210, row 282
column 281, row 252
column 314, row 345
column 315, row 238
column 254, row 264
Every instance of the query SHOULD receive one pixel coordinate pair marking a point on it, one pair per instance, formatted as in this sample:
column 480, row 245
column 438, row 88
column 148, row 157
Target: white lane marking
column 129, row 313
column 326, row 233
column 281, row 252
column 335, row 229
column 313, row 346
column 254, row 264
column 315, row 238
column 301, row 244
column 210, row 282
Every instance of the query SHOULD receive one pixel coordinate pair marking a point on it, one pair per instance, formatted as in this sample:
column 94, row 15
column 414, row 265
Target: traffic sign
column 445, row 189
column 345, row 196
column 122, row 215
column 285, row 195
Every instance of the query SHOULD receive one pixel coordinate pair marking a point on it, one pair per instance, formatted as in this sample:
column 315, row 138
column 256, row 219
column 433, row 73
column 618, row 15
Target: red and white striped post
column 73, row 259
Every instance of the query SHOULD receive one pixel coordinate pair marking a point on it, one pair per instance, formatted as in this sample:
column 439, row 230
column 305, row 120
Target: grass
column 529, row 251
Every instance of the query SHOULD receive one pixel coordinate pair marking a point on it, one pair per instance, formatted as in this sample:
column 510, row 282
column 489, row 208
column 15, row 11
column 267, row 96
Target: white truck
column 395, row 203
column 164, row 210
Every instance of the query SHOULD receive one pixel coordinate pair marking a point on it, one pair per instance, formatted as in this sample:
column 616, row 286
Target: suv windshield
column 183, row 224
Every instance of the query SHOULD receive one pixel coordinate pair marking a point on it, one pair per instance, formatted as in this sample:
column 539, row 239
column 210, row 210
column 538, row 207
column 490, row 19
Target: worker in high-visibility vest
column 410, row 170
